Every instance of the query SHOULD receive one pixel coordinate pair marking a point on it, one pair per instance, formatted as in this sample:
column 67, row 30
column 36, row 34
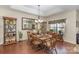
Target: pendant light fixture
column 39, row 20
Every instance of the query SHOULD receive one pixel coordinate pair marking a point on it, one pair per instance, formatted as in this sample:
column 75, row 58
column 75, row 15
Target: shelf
column 10, row 42
column 9, row 30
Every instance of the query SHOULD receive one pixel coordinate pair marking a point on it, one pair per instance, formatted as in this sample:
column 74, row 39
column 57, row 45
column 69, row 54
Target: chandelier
column 39, row 20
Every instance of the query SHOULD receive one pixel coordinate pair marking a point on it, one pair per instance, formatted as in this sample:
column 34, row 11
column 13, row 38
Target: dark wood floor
column 25, row 48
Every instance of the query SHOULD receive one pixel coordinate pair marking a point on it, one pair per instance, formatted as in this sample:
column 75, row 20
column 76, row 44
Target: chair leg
column 55, row 50
column 52, row 51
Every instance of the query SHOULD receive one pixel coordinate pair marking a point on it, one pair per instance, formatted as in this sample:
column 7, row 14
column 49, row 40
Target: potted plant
column 51, row 30
column 20, row 35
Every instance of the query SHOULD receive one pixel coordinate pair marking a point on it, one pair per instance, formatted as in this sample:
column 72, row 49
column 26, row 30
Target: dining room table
column 47, row 41
column 44, row 38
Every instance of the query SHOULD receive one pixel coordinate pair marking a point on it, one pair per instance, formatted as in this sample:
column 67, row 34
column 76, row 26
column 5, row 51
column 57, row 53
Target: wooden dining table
column 46, row 41
column 45, row 37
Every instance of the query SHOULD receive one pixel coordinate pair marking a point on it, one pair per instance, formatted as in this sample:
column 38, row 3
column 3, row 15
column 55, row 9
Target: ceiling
column 45, row 10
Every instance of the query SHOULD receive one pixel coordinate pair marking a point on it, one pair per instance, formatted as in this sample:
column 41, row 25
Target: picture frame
column 27, row 23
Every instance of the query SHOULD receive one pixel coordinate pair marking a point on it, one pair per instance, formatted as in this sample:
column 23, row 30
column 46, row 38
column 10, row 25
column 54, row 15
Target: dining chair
column 51, row 45
column 36, row 42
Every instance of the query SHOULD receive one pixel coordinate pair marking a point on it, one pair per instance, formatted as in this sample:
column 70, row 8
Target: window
column 57, row 26
column 53, row 27
column 60, row 27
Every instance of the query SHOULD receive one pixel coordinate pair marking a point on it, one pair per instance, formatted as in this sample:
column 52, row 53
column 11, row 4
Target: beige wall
column 70, row 28
column 70, row 32
column 77, row 22
column 16, row 14
column 1, row 31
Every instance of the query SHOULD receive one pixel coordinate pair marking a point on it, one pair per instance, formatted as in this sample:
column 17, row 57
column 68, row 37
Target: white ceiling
column 45, row 10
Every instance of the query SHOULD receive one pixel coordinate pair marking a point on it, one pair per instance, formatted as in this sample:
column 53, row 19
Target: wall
column 1, row 31
column 70, row 32
column 4, row 11
column 77, row 22
column 70, row 29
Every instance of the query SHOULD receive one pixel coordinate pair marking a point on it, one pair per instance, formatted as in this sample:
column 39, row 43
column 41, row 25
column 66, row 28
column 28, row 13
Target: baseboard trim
column 70, row 43
column 12, row 43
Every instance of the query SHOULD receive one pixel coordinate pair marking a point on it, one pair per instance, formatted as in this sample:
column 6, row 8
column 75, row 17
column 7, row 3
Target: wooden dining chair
column 35, row 42
column 51, row 45
column 59, row 38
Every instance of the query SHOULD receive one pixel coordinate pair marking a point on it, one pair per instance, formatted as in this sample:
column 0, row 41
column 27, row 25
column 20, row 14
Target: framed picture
column 27, row 23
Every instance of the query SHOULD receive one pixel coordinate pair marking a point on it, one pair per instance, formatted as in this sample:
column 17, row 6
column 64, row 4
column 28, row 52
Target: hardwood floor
column 25, row 48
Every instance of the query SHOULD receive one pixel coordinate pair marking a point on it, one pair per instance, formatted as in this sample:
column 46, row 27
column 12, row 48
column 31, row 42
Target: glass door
column 9, row 30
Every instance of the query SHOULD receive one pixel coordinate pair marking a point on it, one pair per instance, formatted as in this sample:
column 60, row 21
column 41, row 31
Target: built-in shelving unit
column 9, row 30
